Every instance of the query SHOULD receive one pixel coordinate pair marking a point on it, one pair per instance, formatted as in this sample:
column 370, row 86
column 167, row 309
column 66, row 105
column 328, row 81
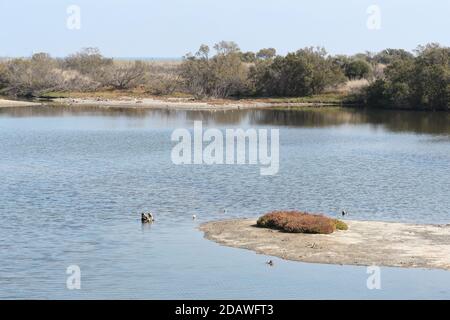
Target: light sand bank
column 365, row 243
column 14, row 103
column 183, row 104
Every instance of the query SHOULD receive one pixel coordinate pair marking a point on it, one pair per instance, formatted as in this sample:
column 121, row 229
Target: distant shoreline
column 115, row 101
column 365, row 243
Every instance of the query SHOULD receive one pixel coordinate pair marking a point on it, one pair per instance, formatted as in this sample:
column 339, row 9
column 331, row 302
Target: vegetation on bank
column 300, row 222
column 421, row 80
column 392, row 78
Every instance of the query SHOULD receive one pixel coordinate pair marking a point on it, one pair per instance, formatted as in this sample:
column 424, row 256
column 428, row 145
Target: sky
column 171, row 28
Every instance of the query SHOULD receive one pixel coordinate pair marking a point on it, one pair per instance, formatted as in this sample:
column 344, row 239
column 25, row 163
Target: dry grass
column 300, row 222
column 353, row 86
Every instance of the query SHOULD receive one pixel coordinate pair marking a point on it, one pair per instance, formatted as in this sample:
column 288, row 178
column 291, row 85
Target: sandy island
column 15, row 103
column 181, row 103
column 365, row 243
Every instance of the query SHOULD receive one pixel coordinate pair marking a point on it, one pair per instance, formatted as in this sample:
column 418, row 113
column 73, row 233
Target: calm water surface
column 72, row 182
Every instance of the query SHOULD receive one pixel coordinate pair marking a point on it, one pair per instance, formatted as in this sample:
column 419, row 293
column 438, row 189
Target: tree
column 267, row 53
column 196, row 72
column 90, row 62
column 31, row 77
column 3, row 76
column 222, row 76
column 419, row 82
column 357, row 69
column 365, row 56
column 431, row 76
column 375, row 94
column 248, row 57
column 388, row 56
column 124, row 75
column 226, row 47
column 306, row 72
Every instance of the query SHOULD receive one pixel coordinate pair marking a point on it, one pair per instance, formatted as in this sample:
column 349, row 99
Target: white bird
column 194, row 217
column 270, row 263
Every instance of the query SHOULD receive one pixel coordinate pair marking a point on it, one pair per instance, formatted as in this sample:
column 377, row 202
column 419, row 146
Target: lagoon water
column 73, row 181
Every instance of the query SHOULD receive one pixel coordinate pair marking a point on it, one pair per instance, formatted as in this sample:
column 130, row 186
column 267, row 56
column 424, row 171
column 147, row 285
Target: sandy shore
column 14, row 103
column 365, row 243
column 182, row 104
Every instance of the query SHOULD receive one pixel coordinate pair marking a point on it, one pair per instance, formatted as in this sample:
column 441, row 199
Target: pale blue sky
column 170, row 28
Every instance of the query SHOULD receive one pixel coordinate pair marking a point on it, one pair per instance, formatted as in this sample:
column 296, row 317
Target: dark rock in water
column 147, row 217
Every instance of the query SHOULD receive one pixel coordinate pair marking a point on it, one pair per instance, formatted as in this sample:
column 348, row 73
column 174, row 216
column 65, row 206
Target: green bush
column 340, row 225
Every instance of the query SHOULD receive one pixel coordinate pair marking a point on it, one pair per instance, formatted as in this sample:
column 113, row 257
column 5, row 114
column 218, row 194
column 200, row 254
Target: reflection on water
column 393, row 120
column 73, row 181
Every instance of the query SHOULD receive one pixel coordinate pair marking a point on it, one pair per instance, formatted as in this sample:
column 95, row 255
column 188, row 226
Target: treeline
column 233, row 73
column 413, row 81
column 390, row 78
column 85, row 71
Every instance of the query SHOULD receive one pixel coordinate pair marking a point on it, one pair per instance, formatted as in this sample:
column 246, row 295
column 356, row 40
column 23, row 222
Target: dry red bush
column 298, row 222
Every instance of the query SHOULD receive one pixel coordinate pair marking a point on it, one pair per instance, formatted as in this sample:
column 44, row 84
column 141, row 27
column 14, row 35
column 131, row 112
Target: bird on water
column 147, row 217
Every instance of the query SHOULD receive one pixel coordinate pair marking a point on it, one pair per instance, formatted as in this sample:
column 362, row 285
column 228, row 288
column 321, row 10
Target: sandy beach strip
column 14, row 103
column 179, row 104
column 364, row 243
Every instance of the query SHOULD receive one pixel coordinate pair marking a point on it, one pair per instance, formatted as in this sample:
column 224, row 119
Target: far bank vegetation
column 390, row 78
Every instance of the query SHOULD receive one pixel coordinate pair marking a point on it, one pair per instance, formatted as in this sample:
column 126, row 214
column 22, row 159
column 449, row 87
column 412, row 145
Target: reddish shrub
column 298, row 222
